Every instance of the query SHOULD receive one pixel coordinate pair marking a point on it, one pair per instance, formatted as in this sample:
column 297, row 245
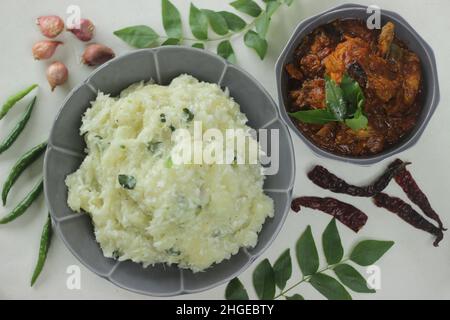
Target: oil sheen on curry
column 382, row 75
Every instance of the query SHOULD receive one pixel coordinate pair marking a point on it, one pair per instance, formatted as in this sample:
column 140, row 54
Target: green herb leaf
column 307, row 256
column 171, row 42
column 295, row 297
column 331, row 242
column 318, row 116
column 235, row 290
column 264, row 281
column 262, row 25
column 283, row 269
column 234, row 22
column 217, row 22
column 154, row 146
column 127, row 182
column 171, row 20
column 249, row 7
column 198, row 22
column 271, row 7
column 189, row 116
column 169, row 163
column 354, row 95
column 254, row 41
column 368, row 252
column 198, row 45
column 335, row 99
column 225, row 50
column 329, row 287
column 138, row 36
column 358, row 122
column 351, row 278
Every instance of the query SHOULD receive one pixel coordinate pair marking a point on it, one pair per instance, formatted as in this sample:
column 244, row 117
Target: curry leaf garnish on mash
column 188, row 114
column 266, row 278
column 127, row 182
column 154, row 146
column 226, row 25
column 344, row 103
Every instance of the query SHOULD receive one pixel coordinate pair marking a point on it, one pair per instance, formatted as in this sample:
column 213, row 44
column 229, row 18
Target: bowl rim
column 433, row 90
column 251, row 257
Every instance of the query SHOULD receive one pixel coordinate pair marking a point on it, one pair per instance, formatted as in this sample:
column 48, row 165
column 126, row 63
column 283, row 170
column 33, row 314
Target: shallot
column 51, row 26
column 96, row 54
column 85, row 31
column 57, row 74
column 45, row 49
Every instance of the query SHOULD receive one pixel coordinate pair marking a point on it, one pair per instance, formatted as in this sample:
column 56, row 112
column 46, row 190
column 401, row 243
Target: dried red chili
column 406, row 181
column 408, row 214
column 349, row 215
column 326, row 180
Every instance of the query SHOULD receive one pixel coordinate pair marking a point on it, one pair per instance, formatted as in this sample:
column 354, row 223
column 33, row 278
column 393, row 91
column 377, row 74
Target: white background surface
column 413, row 269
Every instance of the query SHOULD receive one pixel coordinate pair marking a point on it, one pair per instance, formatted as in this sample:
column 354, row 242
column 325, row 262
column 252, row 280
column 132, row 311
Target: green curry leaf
column 198, row 45
column 225, row 50
column 198, row 22
column 295, row 297
column 368, row 252
column 217, row 22
column 249, row 7
column 307, row 256
column 352, row 279
column 126, row 181
column 283, row 269
column 138, row 36
column 234, row 22
column 318, row 116
column 264, row 280
column 171, row 20
column 235, row 290
column 171, row 42
column 262, row 25
column 253, row 40
column 335, row 99
column 329, row 287
column 332, row 245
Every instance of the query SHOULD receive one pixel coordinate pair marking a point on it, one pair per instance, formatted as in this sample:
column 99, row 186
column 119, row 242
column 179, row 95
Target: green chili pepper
column 20, row 166
column 24, row 204
column 9, row 140
column 46, row 239
column 14, row 99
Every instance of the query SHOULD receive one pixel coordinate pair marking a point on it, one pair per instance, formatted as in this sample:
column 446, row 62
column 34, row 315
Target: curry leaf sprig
column 226, row 25
column 267, row 278
column 344, row 103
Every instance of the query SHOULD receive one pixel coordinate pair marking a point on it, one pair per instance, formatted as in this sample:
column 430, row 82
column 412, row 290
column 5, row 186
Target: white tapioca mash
column 190, row 215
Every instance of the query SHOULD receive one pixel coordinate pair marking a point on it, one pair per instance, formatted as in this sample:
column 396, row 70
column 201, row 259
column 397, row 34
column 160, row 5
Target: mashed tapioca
column 145, row 207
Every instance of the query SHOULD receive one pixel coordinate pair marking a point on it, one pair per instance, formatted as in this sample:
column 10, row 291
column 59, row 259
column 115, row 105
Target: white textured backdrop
column 412, row 269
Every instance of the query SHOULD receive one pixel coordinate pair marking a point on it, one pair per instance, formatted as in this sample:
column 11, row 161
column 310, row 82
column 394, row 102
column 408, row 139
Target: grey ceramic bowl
column 404, row 32
column 66, row 152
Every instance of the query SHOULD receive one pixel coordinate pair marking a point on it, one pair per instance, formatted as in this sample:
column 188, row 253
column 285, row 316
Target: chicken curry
column 386, row 71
